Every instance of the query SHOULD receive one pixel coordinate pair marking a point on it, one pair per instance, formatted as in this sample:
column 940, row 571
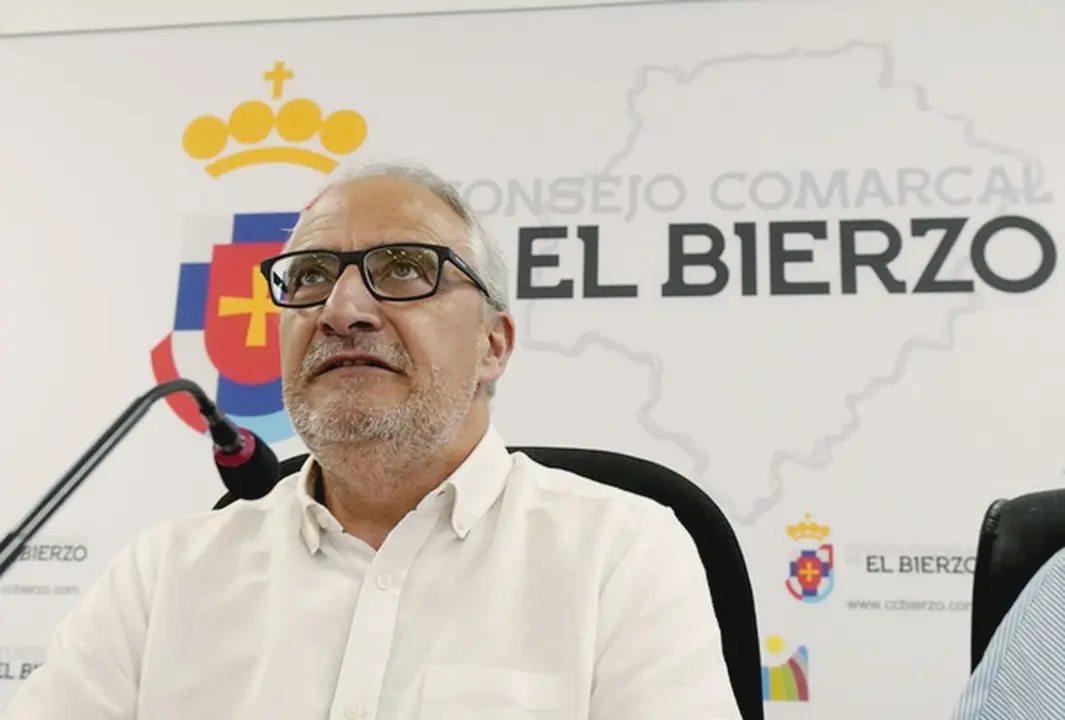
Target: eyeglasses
column 394, row 273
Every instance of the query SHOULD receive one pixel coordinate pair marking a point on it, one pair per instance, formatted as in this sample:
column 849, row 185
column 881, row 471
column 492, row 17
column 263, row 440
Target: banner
column 807, row 257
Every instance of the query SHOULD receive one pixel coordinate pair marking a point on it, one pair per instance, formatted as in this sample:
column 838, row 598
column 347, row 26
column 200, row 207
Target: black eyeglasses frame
column 346, row 259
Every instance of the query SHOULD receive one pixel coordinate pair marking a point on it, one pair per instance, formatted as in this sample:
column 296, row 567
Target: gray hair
column 488, row 260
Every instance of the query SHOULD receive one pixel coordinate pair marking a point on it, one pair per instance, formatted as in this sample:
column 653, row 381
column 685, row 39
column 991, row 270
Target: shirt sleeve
column 658, row 645
column 93, row 660
column 1019, row 677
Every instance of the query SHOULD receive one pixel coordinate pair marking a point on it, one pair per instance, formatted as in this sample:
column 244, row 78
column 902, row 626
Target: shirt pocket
column 467, row 692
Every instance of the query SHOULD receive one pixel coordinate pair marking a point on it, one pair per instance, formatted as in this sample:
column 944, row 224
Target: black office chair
column 1017, row 537
column 726, row 569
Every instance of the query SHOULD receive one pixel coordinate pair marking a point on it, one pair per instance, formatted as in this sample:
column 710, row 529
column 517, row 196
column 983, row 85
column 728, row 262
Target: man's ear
column 498, row 346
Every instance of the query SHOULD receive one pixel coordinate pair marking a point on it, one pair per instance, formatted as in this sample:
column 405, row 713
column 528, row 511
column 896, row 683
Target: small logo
column 788, row 681
column 298, row 122
column 225, row 332
column 812, row 574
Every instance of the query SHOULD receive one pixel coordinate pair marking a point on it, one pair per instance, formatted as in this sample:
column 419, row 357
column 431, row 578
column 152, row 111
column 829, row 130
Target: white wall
column 47, row 16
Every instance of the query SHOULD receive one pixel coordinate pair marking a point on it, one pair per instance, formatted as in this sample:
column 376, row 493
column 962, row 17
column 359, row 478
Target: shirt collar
column 470, row 491
column 315, row 519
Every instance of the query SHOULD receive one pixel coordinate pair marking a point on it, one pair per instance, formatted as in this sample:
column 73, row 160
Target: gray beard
column 397, row 436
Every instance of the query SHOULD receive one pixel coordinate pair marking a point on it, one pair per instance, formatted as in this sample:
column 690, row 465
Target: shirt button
column 384, row 580
column 354, row 713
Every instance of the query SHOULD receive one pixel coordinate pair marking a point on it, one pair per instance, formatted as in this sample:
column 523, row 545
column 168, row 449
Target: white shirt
column 513, row 591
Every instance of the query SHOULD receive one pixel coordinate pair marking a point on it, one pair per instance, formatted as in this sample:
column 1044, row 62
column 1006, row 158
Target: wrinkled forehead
column 368, row 212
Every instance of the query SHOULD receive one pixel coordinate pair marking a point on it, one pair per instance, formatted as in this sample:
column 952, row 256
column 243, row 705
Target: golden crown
column 808, row 529
column 296, row 121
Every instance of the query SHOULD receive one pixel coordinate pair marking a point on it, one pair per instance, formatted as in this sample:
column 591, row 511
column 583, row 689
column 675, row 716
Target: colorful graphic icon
column 788, row 681
column 309, row 139
column 811, row 575
column 225, row 333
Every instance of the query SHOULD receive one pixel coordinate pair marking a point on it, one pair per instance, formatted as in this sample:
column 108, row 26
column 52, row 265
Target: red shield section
column 241, row 330
column 808, row 572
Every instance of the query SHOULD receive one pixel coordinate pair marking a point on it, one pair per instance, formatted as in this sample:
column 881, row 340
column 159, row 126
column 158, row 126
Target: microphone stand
column 58, row 494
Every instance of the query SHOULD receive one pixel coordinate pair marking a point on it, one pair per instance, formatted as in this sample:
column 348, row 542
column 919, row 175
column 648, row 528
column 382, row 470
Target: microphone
column 249, row 468
column 231, row 444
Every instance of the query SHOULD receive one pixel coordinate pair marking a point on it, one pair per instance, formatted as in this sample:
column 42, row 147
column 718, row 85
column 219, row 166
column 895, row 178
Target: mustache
column 320, row 352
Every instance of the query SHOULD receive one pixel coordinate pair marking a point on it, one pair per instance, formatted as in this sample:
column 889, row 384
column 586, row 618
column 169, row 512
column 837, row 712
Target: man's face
column 439, row 350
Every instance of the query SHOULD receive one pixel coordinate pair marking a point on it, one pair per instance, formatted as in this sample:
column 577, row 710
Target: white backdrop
column 891, row 418
column 19, row 17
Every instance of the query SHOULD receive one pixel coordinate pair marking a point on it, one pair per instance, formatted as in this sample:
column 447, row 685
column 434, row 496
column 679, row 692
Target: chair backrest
column 719, row 549
column 1017, row 537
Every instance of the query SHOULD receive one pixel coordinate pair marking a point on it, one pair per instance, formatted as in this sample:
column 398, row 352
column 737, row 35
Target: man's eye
column 404, row 270
column 307, row 277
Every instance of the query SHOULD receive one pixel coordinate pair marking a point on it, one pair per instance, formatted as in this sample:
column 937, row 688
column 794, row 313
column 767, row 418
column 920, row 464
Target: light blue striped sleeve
column 1022, row 673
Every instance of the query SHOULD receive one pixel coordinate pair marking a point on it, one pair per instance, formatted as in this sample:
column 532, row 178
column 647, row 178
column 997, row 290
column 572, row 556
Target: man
column 414, row 568
column 1020, row 674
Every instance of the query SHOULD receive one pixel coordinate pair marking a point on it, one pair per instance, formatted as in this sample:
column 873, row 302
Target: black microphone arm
column 226, row 436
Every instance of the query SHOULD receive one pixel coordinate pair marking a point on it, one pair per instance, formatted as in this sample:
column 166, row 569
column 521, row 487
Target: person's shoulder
column 1054, row 568
column 1035, row 614
column 1047, row 584
column 1024, row 657
column 608, row 533
column 212, row 532
column 581, row 500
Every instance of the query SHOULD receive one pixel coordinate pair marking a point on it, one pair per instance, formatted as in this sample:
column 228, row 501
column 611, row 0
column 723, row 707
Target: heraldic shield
column 812, row 574
column 225, row 335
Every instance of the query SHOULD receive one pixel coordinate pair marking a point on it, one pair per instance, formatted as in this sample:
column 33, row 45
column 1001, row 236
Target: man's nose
column 350, row 307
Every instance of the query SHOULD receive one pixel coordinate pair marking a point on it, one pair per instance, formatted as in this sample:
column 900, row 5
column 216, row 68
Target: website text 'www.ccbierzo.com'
column 905, row 605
